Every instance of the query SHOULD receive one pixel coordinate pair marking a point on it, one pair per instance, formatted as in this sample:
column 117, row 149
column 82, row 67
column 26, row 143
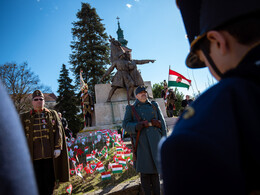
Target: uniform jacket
column 214, row 148
column 87, row 104
column 54, row 125
column 147, row 150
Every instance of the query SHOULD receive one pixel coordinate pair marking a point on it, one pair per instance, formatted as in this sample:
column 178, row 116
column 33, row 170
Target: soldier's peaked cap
column 201, row 16
column 37, row 93
column 140, row 89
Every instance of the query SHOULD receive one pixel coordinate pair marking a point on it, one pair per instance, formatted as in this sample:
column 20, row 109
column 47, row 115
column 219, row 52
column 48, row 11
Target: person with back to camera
column 16, row 176
column 214, row 147
column 144, row 121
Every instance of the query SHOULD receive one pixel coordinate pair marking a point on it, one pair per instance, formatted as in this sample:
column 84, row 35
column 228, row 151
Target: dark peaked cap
column 200, row 16
column 190, row 11
column 37, row 93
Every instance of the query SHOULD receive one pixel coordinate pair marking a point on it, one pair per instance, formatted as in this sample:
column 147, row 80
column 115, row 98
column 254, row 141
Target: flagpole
column 168, row 75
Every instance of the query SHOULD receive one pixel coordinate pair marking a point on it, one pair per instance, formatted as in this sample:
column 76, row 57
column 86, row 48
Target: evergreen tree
column 90, row 48
column 67, row 101
column 179, row 96
column 157, row 89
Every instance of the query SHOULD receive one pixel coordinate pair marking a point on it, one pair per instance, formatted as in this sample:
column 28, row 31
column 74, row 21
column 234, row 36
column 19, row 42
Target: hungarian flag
column 122, row 161
column 177, row 80
column 89, row 157
column 106, row 175
column 117, row 169
column 127, row 154
column 100, row 167
column 119, row 148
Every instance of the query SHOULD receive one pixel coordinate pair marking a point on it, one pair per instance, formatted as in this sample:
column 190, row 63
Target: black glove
column 141, row 125
column 156, row 123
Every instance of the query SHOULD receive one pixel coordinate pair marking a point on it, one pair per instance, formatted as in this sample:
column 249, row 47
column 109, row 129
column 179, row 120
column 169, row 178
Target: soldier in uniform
column 164, row 91
column 214, row 148
column 46, row 140
column 145, row 122
column 87, row 106
column 170, row 104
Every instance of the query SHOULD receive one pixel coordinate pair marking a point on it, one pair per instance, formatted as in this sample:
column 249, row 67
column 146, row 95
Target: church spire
column 120, row 34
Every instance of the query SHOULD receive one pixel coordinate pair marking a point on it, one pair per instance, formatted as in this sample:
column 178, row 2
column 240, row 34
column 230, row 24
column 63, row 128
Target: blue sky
column 39, row 32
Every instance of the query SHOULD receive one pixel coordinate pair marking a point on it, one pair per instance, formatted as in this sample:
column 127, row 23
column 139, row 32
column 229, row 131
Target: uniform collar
column 140, row 103
column 249, row 66
column 39, row 111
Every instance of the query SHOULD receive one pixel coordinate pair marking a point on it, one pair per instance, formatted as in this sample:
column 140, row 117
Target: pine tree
column 90, row 48
column 157, row 89
column 67, row 101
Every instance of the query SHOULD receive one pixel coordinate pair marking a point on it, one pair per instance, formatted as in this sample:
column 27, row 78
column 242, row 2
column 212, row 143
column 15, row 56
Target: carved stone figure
column 127, row 75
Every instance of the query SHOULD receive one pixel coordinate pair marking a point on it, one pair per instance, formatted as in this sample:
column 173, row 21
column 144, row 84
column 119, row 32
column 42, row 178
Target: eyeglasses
column 36, row 99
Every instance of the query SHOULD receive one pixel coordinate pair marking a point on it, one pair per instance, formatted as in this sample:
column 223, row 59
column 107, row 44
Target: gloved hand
column 56, row 153
column 156, row 123
column 141, row 125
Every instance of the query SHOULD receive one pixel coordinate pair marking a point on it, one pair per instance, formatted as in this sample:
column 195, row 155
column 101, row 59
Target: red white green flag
column 89, row 157
column 106, row 175
column 177, row 80
column 117, row 169
column 119, row 148
column 122, row 161
column 100, row 167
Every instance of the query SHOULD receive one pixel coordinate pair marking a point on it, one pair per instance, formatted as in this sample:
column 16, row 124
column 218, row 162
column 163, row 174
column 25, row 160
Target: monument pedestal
column 111, row 113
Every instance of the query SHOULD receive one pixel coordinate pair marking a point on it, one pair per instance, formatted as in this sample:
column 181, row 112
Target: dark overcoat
column 215, row 146
column 61, row 163
column 147, row 150
column 16, row 176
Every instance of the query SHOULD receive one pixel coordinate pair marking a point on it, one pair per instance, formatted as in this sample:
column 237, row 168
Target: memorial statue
column 127, row 75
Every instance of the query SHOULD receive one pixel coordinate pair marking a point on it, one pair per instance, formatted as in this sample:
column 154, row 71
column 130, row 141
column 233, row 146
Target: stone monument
column 112, row 99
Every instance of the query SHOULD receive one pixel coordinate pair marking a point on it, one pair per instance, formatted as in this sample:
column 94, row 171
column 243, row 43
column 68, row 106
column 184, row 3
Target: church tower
column 120, row 35
column 120, row 38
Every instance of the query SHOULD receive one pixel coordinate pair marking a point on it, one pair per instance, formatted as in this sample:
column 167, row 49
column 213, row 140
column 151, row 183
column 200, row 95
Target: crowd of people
column 170, row 100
